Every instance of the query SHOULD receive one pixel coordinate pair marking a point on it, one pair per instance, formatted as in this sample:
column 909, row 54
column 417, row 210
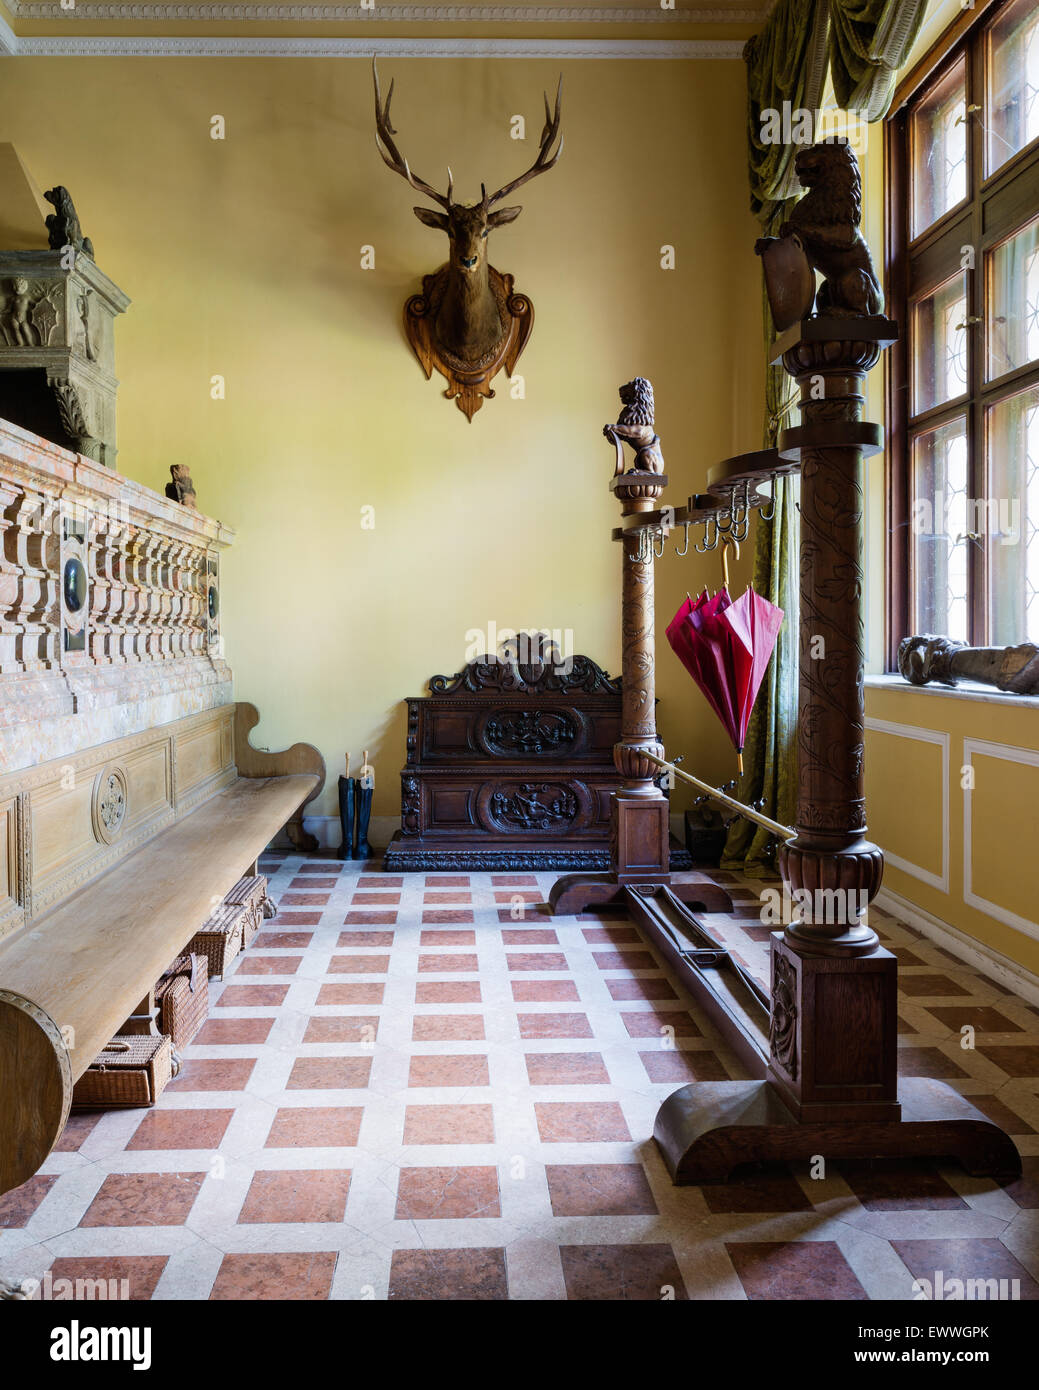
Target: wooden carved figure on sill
column 635, row 427
column 467, row 322
column 181, row 489
column 924, row 658
column 63, row 223
column 822, row 234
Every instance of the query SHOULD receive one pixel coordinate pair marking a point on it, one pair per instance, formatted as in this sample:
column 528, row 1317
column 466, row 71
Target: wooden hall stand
column 822, row 1045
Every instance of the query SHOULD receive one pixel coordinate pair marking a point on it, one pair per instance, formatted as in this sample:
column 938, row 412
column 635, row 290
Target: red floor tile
column 599, row 1189
column 648, row 1273
column 927, row 1061
column 216, row 1032
column 283, row 940
column 359, row 965
column 17, row 1206
column 920, row 986
column 365, row 938
column 460, row 937
column 523, row 895
column 349, row 1028
column 529, row 936
column 221, row 1074
column 252, row 996
column 375, row 900
column 513, row 881
column 625, row 960
column 370, row 919
column 329, row 1074
column 264, row 1275
column 978, row 1259
column 794, row 1270
column 544, row 991
column 466, row 1070
column 617, row 936
column 304, row 899
column 132, row 1277
column 251, row 964
column 448, row 992
column 471, row 1274
column 296, row 919
column 318, row 1195
column 455, row 963
column 772, row 1191
column 144, row 1199
column 676, row 1065
column 1015, row 1061
column 79, row 1127
column 181, row 1129
column 447, row 1028
column 899, row 1185
column 315, row 1127
column 380, row 881
column 455, row 1194
column 640, row 987
column 660, row 1023
column 447, row 895
column 433, row 915
column 447, row 881
column 536, row 960
column 581, row 1122
column 566, row 1069
column 448, row 1124
column 366, row 992
column 554, row 1025
column 312, row 881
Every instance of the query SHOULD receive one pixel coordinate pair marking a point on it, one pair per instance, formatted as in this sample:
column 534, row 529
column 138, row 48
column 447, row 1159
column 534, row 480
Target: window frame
column 995, row 207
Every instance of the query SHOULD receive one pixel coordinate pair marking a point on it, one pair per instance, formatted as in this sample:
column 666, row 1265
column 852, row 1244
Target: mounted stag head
column 467, row 322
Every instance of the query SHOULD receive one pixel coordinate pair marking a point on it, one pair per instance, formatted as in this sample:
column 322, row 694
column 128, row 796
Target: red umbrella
column 726, row 645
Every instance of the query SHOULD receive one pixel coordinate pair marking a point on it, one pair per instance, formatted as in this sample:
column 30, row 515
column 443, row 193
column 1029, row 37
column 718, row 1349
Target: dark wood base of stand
column 411, row 854
column 576, row 893
column 707, row 1129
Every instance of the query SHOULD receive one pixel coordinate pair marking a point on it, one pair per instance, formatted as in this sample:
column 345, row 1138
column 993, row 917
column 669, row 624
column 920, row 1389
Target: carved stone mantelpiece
column 925, row 658
column 57, row 351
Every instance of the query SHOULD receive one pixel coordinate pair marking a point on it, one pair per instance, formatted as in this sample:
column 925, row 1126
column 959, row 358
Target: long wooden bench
column 110, row 861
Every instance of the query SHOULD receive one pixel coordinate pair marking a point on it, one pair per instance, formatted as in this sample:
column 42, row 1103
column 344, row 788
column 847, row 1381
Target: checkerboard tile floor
column 423, row 1087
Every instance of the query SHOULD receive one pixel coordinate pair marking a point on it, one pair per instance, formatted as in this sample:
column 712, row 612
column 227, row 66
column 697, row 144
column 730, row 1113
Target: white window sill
column 965, row 690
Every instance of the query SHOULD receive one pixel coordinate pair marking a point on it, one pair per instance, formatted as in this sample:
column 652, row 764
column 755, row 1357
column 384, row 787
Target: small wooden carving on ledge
column 181, row 489
column 467, row 322
column 1014, row 670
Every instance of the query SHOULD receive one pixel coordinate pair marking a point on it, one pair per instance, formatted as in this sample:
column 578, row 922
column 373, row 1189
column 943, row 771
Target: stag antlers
column 392, row 157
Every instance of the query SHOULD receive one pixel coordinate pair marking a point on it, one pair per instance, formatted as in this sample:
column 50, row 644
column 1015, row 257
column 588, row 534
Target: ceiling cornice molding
column 96, row 10
column 202, row 46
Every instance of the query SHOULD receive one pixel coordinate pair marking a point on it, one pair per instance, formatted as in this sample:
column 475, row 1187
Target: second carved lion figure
column 824, row 224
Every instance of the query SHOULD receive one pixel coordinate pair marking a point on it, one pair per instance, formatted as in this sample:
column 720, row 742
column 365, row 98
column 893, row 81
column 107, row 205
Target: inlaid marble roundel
column 108, row 808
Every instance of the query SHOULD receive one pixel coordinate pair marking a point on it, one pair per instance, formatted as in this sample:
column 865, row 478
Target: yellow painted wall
column 242, row 258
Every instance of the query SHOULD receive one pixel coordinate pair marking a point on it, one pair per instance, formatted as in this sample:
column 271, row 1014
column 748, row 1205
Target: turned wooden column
column 833, row 1034
column 639, row 829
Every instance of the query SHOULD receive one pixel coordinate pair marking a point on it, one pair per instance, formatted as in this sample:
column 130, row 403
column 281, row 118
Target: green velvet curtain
column 860, row 44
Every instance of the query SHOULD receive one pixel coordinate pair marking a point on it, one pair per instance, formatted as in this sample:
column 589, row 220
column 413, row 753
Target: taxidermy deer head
column 467, row 322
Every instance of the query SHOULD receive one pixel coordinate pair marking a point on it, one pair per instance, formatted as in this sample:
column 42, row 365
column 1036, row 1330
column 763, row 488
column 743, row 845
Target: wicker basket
column 129, row 1071
column 220, row 938
column 183, row 998
column 251, row 892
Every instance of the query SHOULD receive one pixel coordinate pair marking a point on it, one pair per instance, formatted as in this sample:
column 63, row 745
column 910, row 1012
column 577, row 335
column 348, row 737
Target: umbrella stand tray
column 510, row 766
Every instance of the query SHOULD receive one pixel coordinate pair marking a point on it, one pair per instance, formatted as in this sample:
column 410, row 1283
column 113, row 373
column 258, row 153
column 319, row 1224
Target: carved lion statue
column 826, row 222
column 637, row 402
column 63, row 223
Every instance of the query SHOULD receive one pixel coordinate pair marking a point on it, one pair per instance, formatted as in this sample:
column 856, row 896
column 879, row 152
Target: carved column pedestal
column 639, row 816
column 830, row 1088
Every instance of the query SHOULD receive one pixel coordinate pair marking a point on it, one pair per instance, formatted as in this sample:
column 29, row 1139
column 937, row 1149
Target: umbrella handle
column 727, row 541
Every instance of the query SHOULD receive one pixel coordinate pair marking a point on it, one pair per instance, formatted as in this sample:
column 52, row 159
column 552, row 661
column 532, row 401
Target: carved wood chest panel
column 510, row 766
